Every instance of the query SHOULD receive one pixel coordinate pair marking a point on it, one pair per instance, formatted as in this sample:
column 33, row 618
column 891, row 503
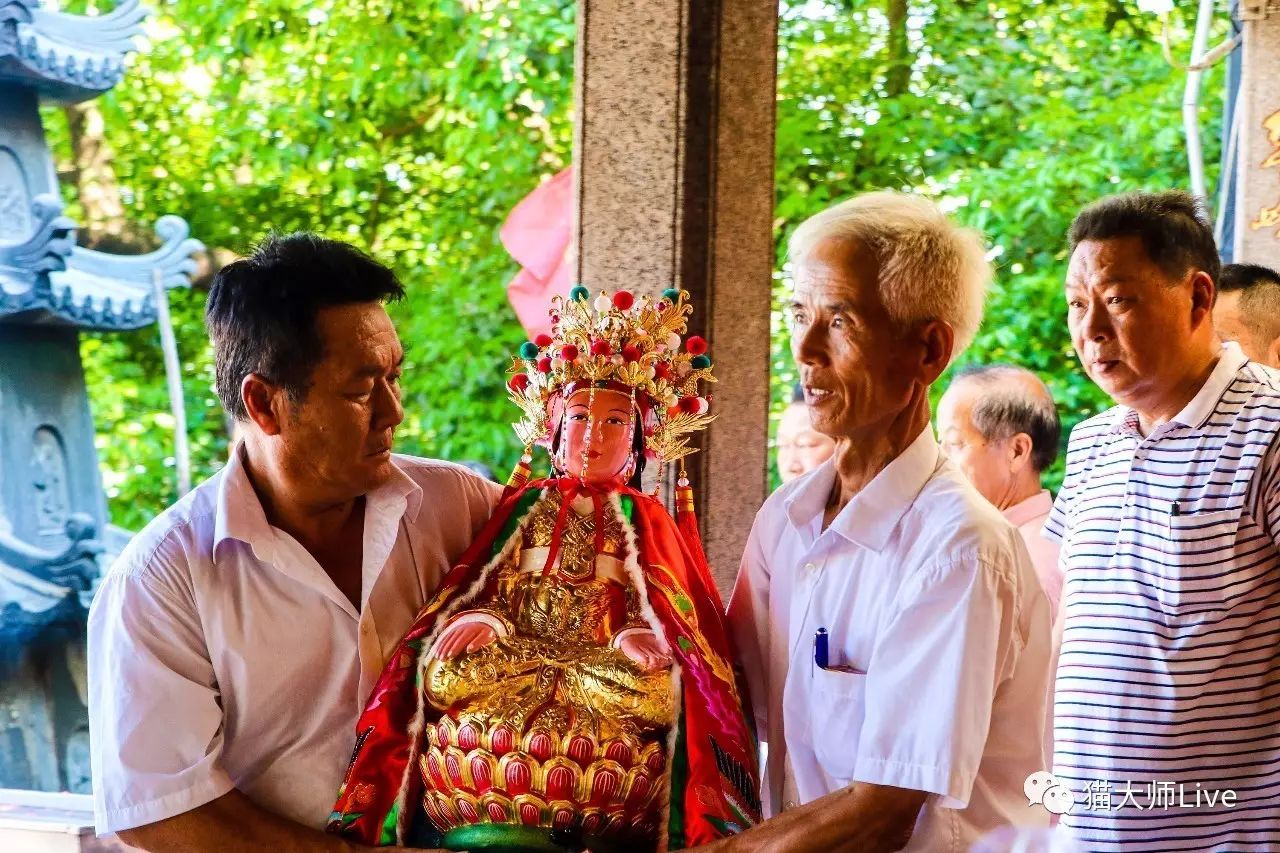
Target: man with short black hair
column 1248, row 311
column 1169, row 520
column 999, row 424
column 234, row 642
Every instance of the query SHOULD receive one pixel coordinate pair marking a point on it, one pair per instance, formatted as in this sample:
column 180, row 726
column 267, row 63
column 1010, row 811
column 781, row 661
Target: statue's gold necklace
column 578, row 537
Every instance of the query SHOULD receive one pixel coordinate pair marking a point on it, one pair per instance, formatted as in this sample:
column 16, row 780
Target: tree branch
column 899, row 74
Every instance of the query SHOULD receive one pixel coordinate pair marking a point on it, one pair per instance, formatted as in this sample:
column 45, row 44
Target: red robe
column 711, row 776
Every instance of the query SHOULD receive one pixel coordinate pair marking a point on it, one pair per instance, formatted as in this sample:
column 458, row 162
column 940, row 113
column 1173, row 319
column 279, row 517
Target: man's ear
column 264, row 403
column 938, row 340
column 1019, row 451
column 1202, row 293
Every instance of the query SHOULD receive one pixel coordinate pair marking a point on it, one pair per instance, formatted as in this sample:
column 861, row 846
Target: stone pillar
column 1257, row 234
column 674, row 153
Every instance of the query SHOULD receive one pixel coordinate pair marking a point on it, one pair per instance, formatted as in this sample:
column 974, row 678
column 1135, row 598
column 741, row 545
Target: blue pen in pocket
column 821, row 652
column 822, row 655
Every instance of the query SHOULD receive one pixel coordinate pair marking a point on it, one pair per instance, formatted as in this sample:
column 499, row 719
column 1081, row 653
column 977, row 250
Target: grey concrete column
column 674, row 149
column 1258, row 123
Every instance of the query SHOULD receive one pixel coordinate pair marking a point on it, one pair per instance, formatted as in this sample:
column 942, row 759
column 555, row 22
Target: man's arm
column 233, row 823
column 863, row 817
column 156, row 719
column 748, row 622
column 1268, row 500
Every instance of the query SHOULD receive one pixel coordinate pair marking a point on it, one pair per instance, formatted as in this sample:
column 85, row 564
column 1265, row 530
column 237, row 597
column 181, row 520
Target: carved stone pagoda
column 53, row 516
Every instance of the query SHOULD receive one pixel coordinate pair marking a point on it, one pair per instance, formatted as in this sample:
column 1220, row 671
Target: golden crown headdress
column 624, row 342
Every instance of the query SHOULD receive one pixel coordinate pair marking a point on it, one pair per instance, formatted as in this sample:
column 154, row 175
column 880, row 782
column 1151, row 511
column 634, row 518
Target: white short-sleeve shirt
column 221, row 655
column 929, row 595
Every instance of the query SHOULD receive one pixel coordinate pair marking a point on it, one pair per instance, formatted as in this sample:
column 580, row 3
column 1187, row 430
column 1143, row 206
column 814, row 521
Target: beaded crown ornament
column 621, row 342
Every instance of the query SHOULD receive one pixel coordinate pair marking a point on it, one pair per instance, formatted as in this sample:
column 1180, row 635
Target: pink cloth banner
column 539, row 235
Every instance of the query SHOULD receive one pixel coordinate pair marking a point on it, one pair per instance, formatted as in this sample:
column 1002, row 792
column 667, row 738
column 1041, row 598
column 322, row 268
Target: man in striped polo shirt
column 1167, row 713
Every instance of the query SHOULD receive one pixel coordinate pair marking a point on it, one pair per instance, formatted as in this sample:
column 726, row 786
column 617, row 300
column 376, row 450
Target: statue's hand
column 464, row 637
column 645, row 650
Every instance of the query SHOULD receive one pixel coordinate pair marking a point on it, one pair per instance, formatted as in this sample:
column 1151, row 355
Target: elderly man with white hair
column 894, row 635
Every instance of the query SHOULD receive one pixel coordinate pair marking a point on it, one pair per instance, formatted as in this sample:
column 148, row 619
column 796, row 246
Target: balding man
column 999, row 425
column 1247, row 311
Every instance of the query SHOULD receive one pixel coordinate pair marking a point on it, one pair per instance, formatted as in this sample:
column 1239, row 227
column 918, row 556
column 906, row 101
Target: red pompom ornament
column 696, row 345
column 543, row 340
column 568, row 352
column 622, row 300
column 544, row 365
column 631, row 352
column 601, row 347
column 689, row 405
column 663, row 370
column 518, row 383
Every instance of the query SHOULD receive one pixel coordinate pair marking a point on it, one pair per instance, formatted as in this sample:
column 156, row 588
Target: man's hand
column 234, row 823
column 645, row 649
column 464, row 637
column 859, row 819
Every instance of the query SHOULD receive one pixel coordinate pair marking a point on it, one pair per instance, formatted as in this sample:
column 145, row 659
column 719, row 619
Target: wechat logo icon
column 1044, row 789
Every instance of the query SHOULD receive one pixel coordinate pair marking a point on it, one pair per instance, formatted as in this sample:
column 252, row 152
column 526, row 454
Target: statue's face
column 596, row 442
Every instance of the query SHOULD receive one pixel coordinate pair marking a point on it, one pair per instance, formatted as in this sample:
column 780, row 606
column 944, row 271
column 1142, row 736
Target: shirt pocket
column 1198, row 561
column 836, row 714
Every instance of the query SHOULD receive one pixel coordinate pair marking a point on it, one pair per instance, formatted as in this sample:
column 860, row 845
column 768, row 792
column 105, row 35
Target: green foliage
column 1017, row 114
column 413, row 128
column 409, row 129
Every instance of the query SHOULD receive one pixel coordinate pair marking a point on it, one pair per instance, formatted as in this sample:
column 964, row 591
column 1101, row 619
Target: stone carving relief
column 49, row 470
column 15, row 199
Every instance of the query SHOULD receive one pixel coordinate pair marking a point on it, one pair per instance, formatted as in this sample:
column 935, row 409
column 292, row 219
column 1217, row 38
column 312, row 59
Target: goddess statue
column 571, row 685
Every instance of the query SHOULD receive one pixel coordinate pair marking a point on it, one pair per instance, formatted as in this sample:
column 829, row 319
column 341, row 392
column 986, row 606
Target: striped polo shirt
column 1167, row 709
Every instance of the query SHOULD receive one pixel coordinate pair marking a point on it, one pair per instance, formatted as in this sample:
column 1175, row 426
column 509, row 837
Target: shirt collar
column 873, row 514
column 1039, row 504
column 1230, row 360
column 1202, row 405
column 399, row 486
column 239, row 512
column 240, row 515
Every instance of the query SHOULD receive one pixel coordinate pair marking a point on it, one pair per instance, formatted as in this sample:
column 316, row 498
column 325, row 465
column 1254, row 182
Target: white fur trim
column 636, row 573
column 632, row 567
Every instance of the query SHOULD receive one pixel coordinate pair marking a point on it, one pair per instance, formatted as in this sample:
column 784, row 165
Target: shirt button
column 808, row 567
column 789, row 804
